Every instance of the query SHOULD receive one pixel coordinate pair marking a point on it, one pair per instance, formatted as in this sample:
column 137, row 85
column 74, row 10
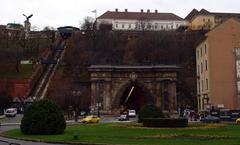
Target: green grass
column 135, row 134
column 25, row 72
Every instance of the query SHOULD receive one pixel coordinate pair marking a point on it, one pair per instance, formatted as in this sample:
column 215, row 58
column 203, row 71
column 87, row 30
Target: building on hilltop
column 218, row 67
column 138, row 21
column 204, row 19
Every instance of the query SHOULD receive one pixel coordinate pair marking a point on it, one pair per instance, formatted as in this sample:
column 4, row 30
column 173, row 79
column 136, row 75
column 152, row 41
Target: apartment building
column 204, row 19
column 151, row 21
column 218, row 67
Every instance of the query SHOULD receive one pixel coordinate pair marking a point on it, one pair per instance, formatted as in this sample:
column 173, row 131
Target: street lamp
column 206, row 105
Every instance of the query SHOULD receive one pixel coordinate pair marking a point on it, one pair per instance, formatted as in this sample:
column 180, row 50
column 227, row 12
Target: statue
column 27, row 17
column 27, row 25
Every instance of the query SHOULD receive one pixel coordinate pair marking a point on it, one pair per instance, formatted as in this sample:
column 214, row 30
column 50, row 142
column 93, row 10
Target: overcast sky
column 71, row 12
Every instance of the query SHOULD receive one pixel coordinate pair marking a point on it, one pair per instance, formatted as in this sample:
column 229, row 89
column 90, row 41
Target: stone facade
column 108, row 83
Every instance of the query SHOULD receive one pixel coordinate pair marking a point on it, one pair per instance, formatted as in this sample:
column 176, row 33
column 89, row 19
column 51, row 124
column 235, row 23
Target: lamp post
column 206, row 105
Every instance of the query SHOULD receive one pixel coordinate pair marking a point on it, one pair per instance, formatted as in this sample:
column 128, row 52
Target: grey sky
column 71, row 12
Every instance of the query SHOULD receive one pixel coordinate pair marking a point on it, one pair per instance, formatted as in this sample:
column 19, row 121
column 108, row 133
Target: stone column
column 158, row 95
column 173, row 98
column 94, row 90
column 107, row 96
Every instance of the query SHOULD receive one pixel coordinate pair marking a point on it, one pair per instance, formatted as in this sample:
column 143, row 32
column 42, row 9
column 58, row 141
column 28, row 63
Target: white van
column 11, row 112
column 131, row 113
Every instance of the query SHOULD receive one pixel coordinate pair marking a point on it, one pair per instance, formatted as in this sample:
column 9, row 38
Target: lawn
column 122, row 133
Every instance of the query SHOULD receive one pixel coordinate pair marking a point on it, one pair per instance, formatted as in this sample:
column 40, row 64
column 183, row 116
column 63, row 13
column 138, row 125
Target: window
column 206, row 65
column 199, row 87
column 201, row 67
column 116, row 25
column 122, row 25
column 201, row 51
column 161, row 26
column 208, row 20
column 197, row 54
column 206, row 84
column 198, row 69
column 155, row 26
column 171, row 26
column 205, row 48
column 129, row 26
column 202, row 85
column 203, row 20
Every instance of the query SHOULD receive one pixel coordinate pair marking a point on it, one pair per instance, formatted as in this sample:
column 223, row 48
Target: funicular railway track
column 39, row 89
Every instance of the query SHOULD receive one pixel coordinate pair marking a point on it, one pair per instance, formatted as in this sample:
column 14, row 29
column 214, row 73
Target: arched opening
column 135, row 96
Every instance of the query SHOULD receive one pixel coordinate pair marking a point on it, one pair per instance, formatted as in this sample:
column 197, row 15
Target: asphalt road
column 14, row 122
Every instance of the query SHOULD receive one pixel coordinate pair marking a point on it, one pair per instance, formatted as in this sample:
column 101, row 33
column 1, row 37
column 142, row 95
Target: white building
column 153, row 21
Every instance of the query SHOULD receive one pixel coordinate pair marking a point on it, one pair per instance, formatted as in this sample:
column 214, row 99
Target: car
column 11, row 112
column 132, row 113
column 90, row 119
column 210, row 119
column 123, row 117
column 238, row 121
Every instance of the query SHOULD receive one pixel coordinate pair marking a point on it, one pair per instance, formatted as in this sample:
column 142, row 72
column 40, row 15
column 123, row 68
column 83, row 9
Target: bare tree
column 88, row 23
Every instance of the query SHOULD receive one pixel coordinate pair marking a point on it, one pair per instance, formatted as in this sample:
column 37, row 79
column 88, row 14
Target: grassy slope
column 120, row 134
column 25, row 72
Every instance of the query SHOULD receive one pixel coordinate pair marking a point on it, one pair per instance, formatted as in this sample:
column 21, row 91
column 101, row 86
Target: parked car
column 123, row 117
column 210, row 119
column 131, row 113
column 90, row 119
column 238, row 121
column 11, row 112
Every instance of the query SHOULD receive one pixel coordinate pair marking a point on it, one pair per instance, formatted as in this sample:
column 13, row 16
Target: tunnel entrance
column 134, row 97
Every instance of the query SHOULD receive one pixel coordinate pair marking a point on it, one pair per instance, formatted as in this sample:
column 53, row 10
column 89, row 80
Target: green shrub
column 43, row 117
column 165, row 122
column 149, row 111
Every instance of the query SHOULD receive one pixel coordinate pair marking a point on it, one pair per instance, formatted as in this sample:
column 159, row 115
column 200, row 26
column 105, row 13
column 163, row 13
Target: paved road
column 14, row 122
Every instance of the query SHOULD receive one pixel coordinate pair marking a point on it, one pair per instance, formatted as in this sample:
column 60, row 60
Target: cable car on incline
column 66, row 31
column 49, row 61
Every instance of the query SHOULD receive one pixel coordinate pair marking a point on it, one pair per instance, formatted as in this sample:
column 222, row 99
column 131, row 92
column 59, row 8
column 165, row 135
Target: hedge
column 43, row 117
column 149, row 111
column 165, row 122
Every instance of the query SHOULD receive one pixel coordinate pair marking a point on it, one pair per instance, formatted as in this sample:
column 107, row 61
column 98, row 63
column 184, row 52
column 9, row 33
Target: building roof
column 226, row 23
column 14, row 26
column 195, row 13
column 2, row 26
column 225, row 16
column 192, row 14
column 139, row 15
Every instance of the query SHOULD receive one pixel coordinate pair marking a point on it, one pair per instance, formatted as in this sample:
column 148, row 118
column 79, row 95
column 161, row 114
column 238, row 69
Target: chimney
column 126, row 10
column 116, row 10
column 156, row 11
column 148, row 11
column 141, row 10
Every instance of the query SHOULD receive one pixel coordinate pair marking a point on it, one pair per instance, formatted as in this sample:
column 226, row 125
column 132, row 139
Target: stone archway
column 110, row 83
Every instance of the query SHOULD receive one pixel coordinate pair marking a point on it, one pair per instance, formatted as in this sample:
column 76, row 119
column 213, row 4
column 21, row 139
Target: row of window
column 148, row 26
column 205, row 20
column 201, row 85
column 200, row 51
column 201, row 69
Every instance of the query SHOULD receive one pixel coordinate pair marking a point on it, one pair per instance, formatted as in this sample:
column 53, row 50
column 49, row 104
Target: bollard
column 75, row 135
